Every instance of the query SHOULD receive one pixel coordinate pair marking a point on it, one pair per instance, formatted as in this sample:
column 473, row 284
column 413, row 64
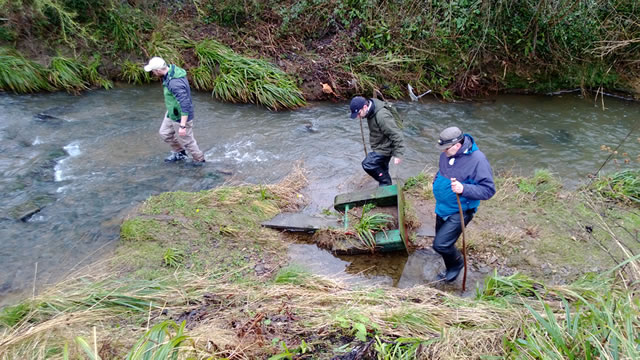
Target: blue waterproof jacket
column 470, row 167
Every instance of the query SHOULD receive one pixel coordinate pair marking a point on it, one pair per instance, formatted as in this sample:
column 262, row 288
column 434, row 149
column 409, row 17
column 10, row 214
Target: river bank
column 325, row 49
column 75, row 165
column 202, row 259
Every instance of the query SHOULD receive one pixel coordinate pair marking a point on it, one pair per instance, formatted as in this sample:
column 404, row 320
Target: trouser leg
column 377, row 166
column 169, row 134
column 189, row 143
column 447, row 233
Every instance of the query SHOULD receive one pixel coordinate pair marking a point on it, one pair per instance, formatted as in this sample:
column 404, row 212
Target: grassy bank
column 197, row 276
column 278, row 53
column 533, row 225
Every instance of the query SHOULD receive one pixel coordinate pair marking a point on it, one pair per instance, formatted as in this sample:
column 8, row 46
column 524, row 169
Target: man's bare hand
column 456, row 186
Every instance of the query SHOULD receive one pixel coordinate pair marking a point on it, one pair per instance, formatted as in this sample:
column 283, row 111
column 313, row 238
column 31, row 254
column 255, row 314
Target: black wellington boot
column 453, row 271
column 176, row 156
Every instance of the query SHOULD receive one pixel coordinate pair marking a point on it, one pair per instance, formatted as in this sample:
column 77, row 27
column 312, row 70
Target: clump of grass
column 163, row 341
column 67, row 74
column 421, row 185
column 622, row 186
column 123, row 23
column 12, row 315
column 541, row 185
column 591, row 325
column 134, row 73
column 167, row 44
column 292, row 275
column 242, row 79
column 173, row 258
column 20, row 75
column 369, row 224
column 202, row 78
column 400, row 348
column 499, row 287
column 137, row 229
column 93, row 76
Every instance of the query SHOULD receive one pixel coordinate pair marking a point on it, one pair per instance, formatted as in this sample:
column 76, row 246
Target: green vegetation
column 241, row 79
column 622, row 186
column 67, row 74
column 19, row 74
column 215, row 303
column 370, row 223
column 457, row 49
column 134, row 73
column 542, row 185
column 420, row 185
column 597, row 319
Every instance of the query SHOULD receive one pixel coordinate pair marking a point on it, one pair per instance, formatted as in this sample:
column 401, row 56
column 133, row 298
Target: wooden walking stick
column 363, row 143
column 464, row 244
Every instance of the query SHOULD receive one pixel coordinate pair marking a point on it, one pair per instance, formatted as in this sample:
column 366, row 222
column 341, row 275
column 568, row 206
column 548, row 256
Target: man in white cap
column 465, row 171
column 179, row 116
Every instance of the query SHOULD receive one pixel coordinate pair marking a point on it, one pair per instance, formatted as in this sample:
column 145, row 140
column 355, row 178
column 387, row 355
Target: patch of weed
column 291, row 274
column 138, row 229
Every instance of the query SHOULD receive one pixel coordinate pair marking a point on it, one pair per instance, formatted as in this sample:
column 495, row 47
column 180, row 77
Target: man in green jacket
column 385, row 137
column 179, row 116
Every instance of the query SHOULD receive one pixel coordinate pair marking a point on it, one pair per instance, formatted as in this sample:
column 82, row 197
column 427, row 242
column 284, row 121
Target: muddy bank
column 199, row 267
column 339, row 48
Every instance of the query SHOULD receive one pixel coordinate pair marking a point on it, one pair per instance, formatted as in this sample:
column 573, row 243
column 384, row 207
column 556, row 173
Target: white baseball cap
column 154, row 64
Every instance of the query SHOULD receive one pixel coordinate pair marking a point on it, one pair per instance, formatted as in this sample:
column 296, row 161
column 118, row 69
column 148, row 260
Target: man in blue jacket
column 465, row 171
column 179, row 116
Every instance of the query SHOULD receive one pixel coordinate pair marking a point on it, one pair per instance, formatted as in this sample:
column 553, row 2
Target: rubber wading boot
column 452, row 273
column 176, row 156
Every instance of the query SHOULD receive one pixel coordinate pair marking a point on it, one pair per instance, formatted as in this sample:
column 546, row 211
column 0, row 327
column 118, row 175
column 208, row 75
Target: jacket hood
column 468, row 146
column 176, row 72
column 377, row 105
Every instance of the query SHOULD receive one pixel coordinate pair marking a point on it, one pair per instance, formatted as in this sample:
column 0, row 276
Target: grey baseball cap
column 449, row 137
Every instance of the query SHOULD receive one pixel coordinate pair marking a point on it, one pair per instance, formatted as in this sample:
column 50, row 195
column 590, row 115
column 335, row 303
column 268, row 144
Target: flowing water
column 74, row 166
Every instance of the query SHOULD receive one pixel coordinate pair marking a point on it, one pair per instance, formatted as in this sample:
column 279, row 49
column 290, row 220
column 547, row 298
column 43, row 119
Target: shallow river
column 73, row 166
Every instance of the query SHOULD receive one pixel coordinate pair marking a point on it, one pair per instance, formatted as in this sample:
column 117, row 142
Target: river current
column 74, row 166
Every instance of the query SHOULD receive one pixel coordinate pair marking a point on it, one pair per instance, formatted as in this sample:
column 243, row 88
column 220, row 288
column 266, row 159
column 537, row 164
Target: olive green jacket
column 385, row 137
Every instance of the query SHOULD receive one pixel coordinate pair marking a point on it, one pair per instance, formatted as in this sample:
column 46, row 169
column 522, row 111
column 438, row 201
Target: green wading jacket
column 384, row 135
column 177, row 94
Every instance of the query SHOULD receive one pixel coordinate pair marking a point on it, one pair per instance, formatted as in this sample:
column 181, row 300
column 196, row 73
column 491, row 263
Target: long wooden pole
column 464, row 244
column 362, row 133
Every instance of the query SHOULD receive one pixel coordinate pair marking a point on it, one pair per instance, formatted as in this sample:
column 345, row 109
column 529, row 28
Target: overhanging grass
column 134, row 73
column 67, row 74
column 20, row 75
column 242, row 79
column 466, row 48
